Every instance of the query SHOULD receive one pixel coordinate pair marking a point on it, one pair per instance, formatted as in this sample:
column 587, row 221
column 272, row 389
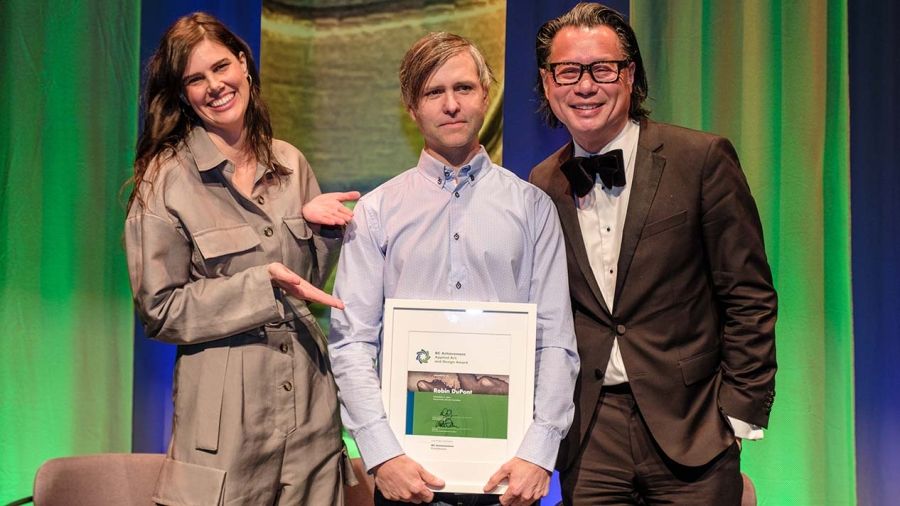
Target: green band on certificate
column 457, row 415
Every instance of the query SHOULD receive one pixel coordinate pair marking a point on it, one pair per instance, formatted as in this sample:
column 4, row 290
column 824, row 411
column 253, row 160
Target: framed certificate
column 458, row 384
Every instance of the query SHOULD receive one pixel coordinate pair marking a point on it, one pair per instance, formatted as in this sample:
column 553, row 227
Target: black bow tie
column 580, row 171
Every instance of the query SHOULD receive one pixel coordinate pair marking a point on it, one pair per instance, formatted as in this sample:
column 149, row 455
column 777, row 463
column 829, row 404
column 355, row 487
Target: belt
column 619, row 389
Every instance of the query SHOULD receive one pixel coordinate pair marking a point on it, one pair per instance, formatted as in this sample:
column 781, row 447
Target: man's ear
column 546, row 81
column 412, row 114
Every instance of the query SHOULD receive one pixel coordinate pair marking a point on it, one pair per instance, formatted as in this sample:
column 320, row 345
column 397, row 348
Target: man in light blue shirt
column 455, row 227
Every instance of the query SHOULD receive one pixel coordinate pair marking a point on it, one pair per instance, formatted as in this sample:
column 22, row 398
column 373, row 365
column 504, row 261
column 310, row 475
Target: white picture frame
column 443, row 369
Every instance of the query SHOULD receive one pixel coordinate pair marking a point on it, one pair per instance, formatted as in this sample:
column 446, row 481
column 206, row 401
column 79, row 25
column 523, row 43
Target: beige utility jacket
column 197, row 255
column 198, row 249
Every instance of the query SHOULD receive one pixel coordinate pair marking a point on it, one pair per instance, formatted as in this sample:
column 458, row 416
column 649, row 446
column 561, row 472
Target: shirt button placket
column 282, row 365
column 455, row 252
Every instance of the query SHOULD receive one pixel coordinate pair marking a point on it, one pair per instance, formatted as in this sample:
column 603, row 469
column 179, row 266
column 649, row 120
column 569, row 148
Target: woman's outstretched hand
column 294, row 285
column 329, row 208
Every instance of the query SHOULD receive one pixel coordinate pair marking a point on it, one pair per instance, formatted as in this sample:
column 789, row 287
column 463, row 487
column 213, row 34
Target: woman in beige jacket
column 227, row 233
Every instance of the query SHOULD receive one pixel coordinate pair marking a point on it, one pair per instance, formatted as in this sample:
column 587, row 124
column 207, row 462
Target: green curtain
column 773, row 77
column 68, row 116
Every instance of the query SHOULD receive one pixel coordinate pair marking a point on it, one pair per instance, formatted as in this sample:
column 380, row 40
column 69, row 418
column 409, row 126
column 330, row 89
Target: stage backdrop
column 330, row 70
column 68, row 118
column 875, row 158
column 772, row 76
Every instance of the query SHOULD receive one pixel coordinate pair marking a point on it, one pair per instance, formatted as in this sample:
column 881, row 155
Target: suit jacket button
column 620, row 329
column 598, row 373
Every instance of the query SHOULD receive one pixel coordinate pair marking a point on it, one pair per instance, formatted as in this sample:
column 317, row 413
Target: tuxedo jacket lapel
column 648, row 168
column 568, row 217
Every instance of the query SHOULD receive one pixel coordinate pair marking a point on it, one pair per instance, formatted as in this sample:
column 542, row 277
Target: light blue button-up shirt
column 481, row 235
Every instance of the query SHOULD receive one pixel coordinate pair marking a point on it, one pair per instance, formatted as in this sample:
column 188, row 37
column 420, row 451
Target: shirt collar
column 626, row 141
column 436, row 172
column 206, row 155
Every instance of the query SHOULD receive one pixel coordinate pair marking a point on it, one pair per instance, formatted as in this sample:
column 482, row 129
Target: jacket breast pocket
column 220, row 246
column 298, row 248
column 664, row 224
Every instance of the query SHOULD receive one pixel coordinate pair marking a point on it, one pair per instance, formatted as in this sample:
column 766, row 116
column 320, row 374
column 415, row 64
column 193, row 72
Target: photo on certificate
column 458, row 384
column 457, row 404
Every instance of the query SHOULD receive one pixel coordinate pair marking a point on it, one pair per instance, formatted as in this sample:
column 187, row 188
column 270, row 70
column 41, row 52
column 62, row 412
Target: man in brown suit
column 671, row 291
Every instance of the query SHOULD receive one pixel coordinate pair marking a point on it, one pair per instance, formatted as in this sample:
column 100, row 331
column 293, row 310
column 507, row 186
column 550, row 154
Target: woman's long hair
column 167, row 120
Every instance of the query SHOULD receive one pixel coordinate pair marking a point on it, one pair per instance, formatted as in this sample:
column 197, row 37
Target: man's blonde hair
column 428, row 54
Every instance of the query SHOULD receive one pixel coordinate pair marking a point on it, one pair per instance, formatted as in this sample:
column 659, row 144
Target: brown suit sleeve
column 742, row 281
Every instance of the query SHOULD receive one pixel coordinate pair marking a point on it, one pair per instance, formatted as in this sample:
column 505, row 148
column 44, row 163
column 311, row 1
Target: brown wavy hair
column 167, row 120
column 588, row 15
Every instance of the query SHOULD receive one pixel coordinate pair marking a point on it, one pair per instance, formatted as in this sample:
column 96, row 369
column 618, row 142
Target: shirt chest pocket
column 298, row 250
column 224, row 251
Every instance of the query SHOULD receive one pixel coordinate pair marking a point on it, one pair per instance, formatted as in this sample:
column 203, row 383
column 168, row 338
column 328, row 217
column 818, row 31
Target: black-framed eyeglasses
column 567, row 73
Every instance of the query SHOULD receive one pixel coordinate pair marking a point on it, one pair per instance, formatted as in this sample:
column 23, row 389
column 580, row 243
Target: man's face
column 451, row 110
column 594, row 113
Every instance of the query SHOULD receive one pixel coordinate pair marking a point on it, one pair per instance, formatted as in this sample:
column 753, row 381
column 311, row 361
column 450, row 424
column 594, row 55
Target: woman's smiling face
column 216, row 87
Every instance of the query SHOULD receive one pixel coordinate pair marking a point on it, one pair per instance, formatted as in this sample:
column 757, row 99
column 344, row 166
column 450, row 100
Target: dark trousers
column 620, row 463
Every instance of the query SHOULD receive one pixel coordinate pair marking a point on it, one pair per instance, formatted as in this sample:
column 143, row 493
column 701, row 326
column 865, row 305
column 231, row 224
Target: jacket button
column 261, row 200
column 620, row 329
column 287, row 386
column 268, row 231
column 598, row 373
column 284, row 348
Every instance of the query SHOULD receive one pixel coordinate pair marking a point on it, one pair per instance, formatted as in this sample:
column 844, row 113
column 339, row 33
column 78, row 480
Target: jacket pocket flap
column 211, row 389
column 298, row 227
column 217, row 242
column 181, row 483
column 664, row 224
column 700, row 366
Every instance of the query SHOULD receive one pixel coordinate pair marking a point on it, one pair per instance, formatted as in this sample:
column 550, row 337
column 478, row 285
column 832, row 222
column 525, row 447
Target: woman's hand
column 293, row 284
column 329, row 208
